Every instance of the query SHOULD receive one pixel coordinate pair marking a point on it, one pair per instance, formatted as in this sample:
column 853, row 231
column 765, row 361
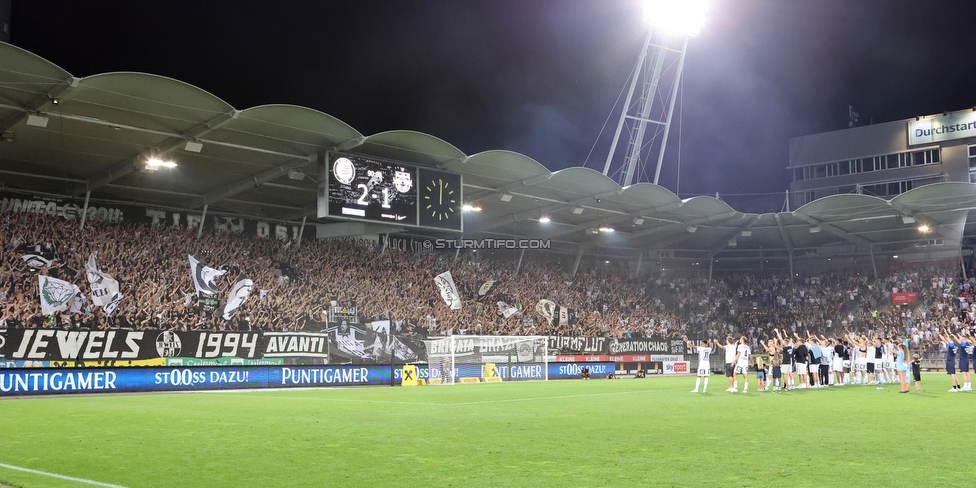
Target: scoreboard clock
column 364, row 188
column 440, row 199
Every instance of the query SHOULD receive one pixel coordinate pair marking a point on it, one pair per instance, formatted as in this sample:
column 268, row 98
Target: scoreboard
column 364, row 188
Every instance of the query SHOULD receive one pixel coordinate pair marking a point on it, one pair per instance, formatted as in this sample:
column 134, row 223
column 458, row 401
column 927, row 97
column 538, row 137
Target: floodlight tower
column 655, row 83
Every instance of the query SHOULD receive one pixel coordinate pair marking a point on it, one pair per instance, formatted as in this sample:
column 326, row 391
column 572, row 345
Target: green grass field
column 629, row 432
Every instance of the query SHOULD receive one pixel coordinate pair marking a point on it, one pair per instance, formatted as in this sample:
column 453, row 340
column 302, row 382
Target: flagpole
column 202, row 219
column 84, row 213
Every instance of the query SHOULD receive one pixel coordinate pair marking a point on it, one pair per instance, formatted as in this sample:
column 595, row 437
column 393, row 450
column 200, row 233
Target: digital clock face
column 440, row 199
column 363, row 188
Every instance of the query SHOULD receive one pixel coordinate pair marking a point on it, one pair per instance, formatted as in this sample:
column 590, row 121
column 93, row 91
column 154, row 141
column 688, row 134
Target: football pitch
column 628, row 432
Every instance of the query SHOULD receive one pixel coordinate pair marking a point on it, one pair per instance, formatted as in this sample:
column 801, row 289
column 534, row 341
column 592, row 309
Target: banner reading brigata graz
column 73, row 346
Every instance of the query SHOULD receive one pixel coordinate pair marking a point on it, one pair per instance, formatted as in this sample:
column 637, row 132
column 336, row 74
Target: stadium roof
column 103, row 128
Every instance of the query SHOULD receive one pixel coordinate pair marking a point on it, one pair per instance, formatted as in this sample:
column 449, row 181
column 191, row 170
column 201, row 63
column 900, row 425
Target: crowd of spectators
column 295, row 282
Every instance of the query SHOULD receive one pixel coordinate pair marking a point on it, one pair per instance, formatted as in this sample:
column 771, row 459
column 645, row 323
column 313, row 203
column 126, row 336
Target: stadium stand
column 296, row 283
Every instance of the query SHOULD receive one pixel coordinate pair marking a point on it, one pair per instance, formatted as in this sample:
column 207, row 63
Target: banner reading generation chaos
column 118, row 380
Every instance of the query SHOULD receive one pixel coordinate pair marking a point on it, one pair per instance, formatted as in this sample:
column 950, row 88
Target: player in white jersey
column 729, row 349
column 704, row 351
column 889, row 361
column 741, row 364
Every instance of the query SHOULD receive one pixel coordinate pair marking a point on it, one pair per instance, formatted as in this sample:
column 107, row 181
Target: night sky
column 541, row 76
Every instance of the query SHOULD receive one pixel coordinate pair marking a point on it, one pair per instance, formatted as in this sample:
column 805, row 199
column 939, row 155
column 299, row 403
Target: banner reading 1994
column 120, row 380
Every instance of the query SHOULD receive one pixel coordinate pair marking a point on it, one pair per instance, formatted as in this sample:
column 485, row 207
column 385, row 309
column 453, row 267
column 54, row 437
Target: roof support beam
column 833, row 229
column 249, row 183
column 724, row 241
column 607, row 221
column 39, row 102
column 782, row 232
column 134, row 163
column 947, row 230
column 536, row 213
column 535, row 180
column 272, row 174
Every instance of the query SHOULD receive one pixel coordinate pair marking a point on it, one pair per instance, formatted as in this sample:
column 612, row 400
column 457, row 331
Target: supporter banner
column 72, row 209
column 628, row 358
column 904, row 298
column 116, row 380
column 582, row 345
column 223, row 362
column 202, row 348
column 651, row 345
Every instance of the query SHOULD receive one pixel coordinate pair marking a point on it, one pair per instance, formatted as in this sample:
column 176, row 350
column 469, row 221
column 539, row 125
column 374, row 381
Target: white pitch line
column 60, row 476
column 509, row 400
column 548, row 398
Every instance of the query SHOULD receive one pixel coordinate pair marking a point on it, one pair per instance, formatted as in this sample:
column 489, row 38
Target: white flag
column 55, row 294
column 449, row 292
column 111, row 307
column 35, row 260
column 547, row 309
column 78, row 304
column 237, row 297
column 104, row 288
column 506, row 310
column 204, row 276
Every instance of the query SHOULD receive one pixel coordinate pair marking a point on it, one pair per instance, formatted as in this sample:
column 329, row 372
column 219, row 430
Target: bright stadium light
column 606, row 229
column 155, row 163
column 925, row 229
column 676, row 16
column 545, row 220
column 470, row 208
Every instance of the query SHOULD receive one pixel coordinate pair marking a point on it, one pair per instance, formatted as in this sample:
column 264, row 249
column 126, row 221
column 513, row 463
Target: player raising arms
column 704, row 351
column 965, row 351
column 741, row 364
column 775, row 363
column 951, row 350
column 786, row 354
column 729, row 349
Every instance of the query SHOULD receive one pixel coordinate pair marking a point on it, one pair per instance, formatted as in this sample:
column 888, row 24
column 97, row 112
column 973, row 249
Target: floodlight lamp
column 545, row 220
column 925, row 229
column 155, row 163
column 606, row 229
column 676, row 16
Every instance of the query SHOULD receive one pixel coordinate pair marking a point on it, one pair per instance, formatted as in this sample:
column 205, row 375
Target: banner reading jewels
column 114, row 348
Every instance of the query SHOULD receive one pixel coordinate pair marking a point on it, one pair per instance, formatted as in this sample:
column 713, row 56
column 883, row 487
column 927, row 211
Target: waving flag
column 237, row 297
column 204, row 276
column 55, row 294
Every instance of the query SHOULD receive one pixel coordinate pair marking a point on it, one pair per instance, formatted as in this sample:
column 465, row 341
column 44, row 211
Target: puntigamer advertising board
column 120, row 380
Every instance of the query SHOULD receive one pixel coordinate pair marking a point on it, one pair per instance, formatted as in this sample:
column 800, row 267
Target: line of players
column 818, row 362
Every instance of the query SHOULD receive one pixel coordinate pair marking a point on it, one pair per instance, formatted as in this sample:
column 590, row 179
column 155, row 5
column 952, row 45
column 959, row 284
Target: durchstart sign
column 942, row 128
